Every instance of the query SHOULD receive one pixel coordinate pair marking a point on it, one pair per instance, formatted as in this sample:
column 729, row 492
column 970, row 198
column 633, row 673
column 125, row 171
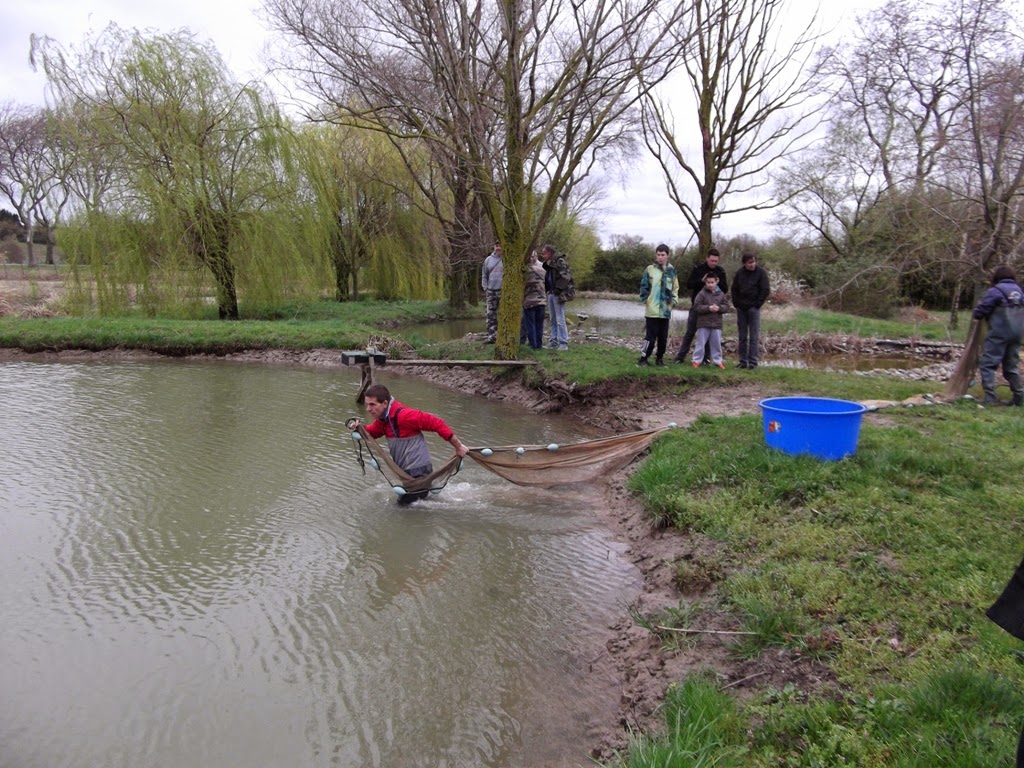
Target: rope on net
column 541, row 466
column 399, row 480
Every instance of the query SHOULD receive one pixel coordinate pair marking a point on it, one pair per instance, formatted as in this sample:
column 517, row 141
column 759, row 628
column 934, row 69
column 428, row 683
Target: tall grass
column 702, row 730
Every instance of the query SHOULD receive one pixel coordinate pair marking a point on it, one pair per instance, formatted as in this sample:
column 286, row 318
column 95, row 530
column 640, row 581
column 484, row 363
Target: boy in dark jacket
column 695, row 283
column 750, row 290
column 709, row 306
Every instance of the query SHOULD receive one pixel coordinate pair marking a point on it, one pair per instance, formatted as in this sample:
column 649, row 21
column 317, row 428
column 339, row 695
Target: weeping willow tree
column 203, row 197
column 363, row 191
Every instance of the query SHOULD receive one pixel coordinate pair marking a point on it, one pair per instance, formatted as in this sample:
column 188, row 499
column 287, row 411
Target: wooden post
column 368, row 360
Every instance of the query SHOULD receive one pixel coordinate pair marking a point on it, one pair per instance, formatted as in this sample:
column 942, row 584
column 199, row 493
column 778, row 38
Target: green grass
column 878, row 567
column 805, row 321
column 702, row 730
column 331, row 325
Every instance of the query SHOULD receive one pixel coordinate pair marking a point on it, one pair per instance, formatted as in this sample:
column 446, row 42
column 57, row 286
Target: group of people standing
column 548, row 284
column 709, row 302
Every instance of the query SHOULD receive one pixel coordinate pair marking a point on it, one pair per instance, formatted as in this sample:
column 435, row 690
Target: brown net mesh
column 537, row 465
column 546, row 466
column 397, row 477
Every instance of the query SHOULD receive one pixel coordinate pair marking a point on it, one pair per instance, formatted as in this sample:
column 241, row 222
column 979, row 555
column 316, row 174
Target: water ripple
column 197, row 572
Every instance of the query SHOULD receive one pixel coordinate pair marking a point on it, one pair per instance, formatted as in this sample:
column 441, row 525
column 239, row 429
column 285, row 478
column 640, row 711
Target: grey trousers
column 705, row 336
column 1000, row 350
column 749, row 322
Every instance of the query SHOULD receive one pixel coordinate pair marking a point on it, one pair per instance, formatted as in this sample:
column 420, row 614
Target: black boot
column 1018, row 398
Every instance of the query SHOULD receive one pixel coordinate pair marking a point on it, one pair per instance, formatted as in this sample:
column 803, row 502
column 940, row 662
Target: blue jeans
column 559, row 333
column 749, row 322
column 533, row 323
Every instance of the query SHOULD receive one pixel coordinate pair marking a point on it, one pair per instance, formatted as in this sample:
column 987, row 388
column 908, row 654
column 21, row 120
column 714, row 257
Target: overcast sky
column 641, row 207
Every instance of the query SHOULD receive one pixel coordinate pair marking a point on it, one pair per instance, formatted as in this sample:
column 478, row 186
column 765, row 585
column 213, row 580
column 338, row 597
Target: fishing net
column 380, row 459
column 543, row 466
column 549, row 465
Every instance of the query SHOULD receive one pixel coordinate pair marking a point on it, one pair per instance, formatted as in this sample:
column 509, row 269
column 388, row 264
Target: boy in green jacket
column 659, row 288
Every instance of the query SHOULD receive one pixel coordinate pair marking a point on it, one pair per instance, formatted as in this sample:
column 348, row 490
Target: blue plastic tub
column 824, row 428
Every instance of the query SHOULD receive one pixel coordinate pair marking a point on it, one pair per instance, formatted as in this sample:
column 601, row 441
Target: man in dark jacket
column 750, row 290
column 695, row 284
column 1008, row 613
column 560, row 288
column 1003, row 307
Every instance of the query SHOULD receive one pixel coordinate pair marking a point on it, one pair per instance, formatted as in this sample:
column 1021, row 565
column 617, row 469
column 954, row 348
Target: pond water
column 195, row 572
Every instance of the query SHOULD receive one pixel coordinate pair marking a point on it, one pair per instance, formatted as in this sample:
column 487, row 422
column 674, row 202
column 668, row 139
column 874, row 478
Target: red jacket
column 410, row 423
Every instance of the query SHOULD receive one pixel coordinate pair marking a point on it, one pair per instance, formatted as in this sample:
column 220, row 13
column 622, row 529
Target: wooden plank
column 466, row 363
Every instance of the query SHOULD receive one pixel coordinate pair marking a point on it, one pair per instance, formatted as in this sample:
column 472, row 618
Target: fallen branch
column 704, row 631
column 744, row 679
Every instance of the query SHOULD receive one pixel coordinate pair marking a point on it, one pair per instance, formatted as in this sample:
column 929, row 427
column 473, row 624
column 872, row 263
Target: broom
column 960, row 381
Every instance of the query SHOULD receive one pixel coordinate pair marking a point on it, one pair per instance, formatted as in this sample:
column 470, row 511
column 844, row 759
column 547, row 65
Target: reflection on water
column 195, row 572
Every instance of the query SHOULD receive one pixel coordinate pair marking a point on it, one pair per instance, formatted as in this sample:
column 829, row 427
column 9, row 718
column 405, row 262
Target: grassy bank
column 877, row 569
column 919, row 325
column 327, row 324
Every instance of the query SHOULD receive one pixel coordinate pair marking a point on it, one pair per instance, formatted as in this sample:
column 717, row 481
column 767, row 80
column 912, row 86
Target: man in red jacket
column 403, row 427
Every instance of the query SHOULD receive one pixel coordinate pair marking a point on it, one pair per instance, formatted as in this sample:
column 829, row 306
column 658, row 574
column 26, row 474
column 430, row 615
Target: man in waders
column 403, row 427
column 1003, row 307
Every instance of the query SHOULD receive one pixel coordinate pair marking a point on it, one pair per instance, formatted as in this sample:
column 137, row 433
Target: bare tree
column 24, row 177
column 753, row 100
column 932, row 94
column 512, row 96
column 988, row 148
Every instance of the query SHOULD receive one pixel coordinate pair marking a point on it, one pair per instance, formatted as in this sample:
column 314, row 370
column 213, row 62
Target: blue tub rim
column 854, row 407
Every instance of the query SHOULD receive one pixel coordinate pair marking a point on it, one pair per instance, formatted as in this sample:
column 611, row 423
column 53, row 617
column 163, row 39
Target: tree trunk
column 224, row 276
column 341, row 275
column 461, row 281
column 210, row 234
column 30, row 236
column 954, row 305
column 704, row 240
column 49, row 244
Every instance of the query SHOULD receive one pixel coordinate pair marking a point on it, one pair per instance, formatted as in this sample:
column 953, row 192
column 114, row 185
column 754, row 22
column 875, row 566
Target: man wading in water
column 404, row 427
